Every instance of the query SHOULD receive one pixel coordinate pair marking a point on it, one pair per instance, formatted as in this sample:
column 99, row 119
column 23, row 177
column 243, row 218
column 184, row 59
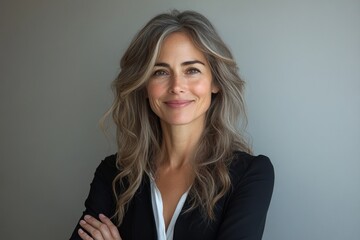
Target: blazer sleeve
column 101, row 197
column 245, row 214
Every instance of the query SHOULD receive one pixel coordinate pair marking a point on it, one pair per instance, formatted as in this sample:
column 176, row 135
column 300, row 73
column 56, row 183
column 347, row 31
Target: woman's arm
column 101, row 198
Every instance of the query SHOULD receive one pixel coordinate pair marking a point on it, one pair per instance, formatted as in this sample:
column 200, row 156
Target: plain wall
column 301, row 62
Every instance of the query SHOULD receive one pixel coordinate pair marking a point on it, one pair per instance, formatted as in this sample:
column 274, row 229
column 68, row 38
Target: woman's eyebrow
column 162, row 64
column 192, row 62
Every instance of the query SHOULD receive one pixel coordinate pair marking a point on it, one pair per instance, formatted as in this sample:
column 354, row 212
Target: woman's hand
column 99, row 230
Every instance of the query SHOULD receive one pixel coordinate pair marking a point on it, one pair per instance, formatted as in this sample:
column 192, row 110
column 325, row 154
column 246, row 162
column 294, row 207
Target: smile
column 178, row 103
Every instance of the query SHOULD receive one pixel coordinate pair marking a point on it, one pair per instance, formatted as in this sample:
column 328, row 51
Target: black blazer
column 240, row 214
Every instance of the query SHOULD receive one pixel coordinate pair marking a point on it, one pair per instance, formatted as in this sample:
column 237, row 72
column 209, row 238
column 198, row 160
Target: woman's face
column 179, row 90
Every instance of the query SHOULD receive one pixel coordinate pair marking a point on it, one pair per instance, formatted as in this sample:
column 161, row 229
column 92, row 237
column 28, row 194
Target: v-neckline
column 157, row 204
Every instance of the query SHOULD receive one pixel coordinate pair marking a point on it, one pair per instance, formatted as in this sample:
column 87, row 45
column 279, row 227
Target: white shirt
column 157, row 206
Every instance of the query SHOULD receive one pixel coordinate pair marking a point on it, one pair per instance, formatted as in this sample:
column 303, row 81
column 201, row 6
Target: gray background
column 301, row 61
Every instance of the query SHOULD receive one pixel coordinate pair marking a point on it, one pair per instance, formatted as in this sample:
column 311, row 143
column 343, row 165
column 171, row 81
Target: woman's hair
column 139, row 135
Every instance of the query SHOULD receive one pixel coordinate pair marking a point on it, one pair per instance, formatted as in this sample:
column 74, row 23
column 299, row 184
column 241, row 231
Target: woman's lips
column 178, row 103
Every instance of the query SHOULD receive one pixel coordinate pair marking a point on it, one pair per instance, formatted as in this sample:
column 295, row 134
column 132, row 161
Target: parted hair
column 139, row 134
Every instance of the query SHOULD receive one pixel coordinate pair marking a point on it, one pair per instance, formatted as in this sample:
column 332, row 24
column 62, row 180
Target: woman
column 183, row 169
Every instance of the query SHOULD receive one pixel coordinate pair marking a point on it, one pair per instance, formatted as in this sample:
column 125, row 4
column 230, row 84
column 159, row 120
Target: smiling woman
column 183, row 169
column 180, row 89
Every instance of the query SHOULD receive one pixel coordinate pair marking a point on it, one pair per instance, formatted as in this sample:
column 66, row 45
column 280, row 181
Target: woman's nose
column 177, row 84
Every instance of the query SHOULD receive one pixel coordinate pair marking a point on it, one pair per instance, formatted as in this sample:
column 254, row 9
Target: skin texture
column 180, row 88
column 179, row 93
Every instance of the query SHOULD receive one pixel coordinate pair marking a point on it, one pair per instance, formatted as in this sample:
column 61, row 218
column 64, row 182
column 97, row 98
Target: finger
column 97, row 229
column 113, row 229
column 84, row 235
column 92, row 232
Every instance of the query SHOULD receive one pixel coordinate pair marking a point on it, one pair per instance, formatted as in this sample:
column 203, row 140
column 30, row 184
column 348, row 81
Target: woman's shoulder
column 109, row 161
column 107, row 168
column 248, row 159
column 244, row 164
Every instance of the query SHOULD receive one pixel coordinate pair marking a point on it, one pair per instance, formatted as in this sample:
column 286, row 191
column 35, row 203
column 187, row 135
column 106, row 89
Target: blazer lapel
column 143, row 226
column 139, row 223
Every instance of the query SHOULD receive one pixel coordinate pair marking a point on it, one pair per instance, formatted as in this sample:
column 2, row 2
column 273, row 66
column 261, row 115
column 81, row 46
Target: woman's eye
column 193, row 71
column 159, row 73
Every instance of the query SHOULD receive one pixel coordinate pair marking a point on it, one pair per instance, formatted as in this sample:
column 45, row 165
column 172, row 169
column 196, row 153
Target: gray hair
column 139, row 134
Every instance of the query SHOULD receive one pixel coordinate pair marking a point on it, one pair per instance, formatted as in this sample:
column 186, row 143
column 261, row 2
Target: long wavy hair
column 139, row 134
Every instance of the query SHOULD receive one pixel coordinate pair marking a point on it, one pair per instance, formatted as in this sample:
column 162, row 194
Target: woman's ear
column 214, row 88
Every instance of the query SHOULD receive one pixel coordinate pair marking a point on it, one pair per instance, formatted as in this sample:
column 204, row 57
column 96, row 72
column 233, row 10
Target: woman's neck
column 179, row 144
